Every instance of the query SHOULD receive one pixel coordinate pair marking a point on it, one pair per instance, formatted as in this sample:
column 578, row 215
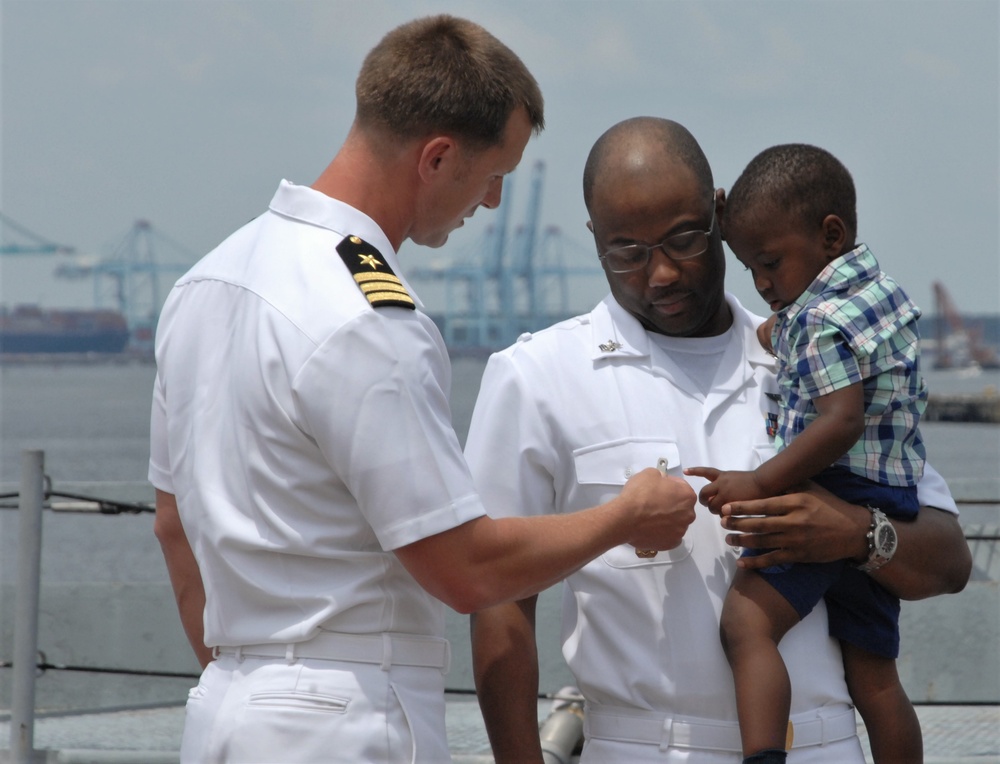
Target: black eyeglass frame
column 665, row 245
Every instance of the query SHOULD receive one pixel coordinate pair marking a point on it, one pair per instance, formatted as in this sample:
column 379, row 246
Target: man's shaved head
column 626, row 150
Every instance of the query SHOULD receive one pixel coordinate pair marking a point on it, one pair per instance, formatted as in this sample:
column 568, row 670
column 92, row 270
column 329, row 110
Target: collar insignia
column 380, row 287
column 610, row 346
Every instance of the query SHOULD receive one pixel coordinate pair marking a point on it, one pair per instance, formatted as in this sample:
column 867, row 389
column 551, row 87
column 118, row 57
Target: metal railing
column 29, row 565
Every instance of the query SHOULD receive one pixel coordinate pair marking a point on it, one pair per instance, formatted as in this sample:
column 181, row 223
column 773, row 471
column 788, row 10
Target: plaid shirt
column 855, row 324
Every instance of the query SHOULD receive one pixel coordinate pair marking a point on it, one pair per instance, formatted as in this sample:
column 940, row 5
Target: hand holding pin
column 661, row 465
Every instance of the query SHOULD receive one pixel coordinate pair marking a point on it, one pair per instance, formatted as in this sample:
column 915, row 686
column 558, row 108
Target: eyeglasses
column 680, row 246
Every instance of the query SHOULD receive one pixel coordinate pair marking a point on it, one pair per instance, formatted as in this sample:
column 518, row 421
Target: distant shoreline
column 964, row 407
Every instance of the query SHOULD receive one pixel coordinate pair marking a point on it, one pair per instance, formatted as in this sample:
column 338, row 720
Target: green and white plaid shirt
column 855, row 324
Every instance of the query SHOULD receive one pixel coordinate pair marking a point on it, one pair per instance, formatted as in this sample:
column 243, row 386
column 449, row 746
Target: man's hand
column 185, row 575
column 663, row 508
column 813, row 525
column 808, row 526
column 728, row 486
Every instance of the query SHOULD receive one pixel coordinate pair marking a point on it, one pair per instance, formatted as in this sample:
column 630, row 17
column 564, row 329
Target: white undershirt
column 698, row 357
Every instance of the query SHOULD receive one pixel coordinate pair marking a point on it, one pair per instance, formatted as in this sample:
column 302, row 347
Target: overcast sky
column 188, row 114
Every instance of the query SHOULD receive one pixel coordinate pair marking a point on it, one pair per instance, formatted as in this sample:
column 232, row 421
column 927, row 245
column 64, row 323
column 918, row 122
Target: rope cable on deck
column 44, row 665
column 84, row 503
column 115, row 507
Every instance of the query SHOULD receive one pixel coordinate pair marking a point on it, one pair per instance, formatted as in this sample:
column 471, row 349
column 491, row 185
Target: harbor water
column 92, row 421
column 108, row 615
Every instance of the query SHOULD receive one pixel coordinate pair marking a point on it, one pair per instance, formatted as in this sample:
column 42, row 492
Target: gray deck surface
column 952, row 735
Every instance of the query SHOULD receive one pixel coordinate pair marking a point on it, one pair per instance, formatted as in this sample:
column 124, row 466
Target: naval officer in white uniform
column 667, row 369
column 313, row 504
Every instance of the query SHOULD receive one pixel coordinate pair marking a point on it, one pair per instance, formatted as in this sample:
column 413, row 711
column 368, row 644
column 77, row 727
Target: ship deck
column 952, row 734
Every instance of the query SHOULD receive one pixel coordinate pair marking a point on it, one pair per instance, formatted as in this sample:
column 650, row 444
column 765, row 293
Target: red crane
column 958, row 346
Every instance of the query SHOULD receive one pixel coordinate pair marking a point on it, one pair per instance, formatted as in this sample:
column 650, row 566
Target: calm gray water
column 92, row 421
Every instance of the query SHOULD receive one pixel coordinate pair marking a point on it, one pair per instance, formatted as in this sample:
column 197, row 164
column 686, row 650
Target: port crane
column 959, row 345
column 15, row 239
column 515, row 279
column 130, row 278
column 512, row 281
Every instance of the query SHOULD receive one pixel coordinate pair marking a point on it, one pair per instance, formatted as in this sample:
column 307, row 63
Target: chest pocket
column 612, row 464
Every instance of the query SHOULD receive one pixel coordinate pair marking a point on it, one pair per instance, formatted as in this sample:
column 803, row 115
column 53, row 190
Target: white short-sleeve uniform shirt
column 565, row 416
column 304, row 433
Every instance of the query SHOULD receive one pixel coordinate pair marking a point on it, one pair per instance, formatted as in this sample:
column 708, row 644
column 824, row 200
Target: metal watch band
column 875, row 558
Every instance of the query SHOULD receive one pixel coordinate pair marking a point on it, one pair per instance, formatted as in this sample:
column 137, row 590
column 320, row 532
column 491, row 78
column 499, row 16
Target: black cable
column 44, row 666
column 112, row 507
column 105, row 506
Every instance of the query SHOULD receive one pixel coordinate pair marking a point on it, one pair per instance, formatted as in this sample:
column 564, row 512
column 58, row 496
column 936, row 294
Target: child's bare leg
column 892, row 724
column 754, row 619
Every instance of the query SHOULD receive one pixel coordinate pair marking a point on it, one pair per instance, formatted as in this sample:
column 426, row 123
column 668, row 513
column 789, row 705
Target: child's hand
column 764, row 333
column 724, row 487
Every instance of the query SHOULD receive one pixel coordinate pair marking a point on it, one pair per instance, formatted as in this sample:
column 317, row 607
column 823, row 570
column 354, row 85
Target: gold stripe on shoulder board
column 373, row 275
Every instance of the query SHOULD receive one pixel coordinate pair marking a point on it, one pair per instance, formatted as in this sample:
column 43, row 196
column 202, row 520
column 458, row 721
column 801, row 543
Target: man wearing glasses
column 666, row 371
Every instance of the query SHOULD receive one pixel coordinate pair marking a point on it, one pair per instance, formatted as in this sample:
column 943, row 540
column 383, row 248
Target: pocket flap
column 624, row 556
column 762, row 453
column 615, row 462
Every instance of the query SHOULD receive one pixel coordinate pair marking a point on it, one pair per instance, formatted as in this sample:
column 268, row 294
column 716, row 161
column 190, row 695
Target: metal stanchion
column 29, row 557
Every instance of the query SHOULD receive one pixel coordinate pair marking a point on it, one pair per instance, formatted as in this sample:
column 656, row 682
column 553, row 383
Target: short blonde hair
column 445, row 74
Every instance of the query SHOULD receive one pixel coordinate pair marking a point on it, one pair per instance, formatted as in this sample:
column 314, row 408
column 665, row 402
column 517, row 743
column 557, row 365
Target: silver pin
column 610, row 346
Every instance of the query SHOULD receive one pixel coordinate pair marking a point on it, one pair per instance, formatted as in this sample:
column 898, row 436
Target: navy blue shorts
column 860, row 611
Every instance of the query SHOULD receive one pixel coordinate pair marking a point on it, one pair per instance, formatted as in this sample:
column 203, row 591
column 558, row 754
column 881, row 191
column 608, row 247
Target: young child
column 846, row 339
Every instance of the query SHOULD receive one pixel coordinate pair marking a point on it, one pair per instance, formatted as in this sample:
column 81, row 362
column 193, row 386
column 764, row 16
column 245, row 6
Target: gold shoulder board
column 371, row 272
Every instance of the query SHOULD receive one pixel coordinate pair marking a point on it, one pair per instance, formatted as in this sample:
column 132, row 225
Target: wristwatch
column 882, row 541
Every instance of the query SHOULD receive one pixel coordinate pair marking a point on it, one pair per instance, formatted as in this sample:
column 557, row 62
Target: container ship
column 29, row 329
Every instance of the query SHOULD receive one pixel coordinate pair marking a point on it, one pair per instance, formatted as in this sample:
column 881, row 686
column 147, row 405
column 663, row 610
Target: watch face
column 885, row 539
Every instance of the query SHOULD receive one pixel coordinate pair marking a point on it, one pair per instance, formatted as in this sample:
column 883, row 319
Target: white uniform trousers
column 615, row 752
column 629, row 735
column 267, row 710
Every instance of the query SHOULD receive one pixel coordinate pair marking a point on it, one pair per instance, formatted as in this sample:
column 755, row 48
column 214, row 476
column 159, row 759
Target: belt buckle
column 667, row 738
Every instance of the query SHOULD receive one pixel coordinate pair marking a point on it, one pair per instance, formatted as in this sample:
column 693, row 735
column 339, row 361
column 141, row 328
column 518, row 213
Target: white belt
column 383, row 649
column 629, row 726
